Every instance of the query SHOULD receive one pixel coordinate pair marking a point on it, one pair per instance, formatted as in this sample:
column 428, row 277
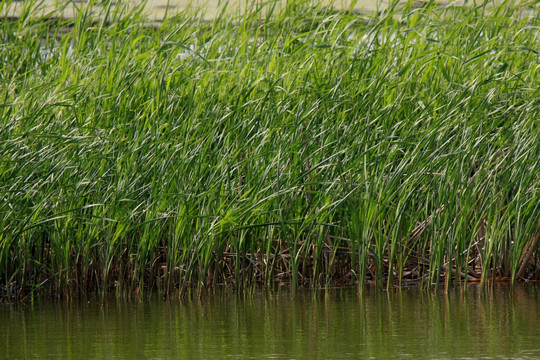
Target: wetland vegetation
column 302, row 146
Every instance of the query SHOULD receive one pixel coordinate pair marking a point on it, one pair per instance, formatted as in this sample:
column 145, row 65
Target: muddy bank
column 157, row 9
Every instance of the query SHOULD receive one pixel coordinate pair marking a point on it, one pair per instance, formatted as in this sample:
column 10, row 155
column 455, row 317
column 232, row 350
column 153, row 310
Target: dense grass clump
column 303, row 146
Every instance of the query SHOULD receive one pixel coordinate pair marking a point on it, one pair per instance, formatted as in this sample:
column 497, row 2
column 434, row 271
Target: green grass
column 303, row 146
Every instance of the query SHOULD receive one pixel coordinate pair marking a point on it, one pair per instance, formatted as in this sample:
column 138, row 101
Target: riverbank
column 307, row 147
column 157, row 10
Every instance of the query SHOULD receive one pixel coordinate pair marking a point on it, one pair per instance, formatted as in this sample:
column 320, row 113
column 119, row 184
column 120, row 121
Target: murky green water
column 501, row 324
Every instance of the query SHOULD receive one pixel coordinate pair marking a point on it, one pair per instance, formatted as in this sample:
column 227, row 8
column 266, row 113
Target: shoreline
column 156, row 10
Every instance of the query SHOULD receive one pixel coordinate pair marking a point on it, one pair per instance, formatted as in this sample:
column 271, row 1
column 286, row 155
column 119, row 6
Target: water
column 502, row 323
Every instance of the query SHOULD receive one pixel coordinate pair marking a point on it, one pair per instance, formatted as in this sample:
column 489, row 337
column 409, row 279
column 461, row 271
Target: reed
column 302, row 146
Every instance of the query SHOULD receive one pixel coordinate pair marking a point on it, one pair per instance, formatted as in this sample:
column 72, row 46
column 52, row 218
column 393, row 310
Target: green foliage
column 301, row 145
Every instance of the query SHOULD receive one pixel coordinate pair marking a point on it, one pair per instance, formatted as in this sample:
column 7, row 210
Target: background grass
column 303, row 146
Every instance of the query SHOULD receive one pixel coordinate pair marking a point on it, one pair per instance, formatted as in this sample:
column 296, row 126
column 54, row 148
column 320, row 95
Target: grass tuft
column 301, row 146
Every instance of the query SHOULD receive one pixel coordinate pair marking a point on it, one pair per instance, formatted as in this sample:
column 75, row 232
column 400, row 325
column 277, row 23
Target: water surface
column 496, row 324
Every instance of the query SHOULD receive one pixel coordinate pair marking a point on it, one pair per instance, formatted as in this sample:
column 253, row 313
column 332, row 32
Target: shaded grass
column 302, row 146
